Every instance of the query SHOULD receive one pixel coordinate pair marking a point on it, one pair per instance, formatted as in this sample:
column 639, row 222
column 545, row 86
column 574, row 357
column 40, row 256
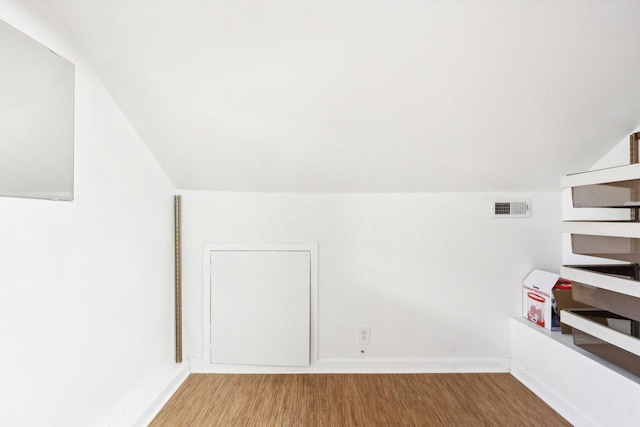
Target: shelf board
column 603, row 228
column 602, row 176
column 605, row 333
column 602, row 280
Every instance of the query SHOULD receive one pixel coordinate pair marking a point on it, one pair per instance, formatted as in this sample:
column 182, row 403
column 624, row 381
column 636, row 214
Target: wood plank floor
column 356, row 400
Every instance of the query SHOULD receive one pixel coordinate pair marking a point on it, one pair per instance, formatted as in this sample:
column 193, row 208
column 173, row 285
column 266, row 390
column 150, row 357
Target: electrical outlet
column 364, row 335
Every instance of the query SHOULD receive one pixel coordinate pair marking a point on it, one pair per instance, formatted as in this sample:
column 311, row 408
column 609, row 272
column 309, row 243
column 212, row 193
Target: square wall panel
column 260, row 307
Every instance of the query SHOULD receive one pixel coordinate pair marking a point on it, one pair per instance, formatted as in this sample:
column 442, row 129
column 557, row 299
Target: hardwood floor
column 356, row 400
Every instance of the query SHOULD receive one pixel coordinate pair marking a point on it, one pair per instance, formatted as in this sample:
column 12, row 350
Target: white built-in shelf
column 584, row 388
column 566, row 340
column 602, row 176
column 602, row 280
column 616, row 187
column 605, row 333
column 603, row 228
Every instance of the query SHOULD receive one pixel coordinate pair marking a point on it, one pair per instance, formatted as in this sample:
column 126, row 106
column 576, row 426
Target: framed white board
column 37, row 95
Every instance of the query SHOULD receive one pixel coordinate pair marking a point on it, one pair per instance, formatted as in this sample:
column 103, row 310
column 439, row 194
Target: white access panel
column 260, row 307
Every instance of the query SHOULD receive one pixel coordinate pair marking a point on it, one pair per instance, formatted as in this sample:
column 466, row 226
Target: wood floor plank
column 296, row 400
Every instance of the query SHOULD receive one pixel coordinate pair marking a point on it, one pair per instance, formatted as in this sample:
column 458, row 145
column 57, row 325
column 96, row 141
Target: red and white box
column 538, row 303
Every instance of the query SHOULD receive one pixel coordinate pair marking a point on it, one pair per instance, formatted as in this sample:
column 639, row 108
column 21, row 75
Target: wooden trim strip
column 177, row 207
column 634, row 138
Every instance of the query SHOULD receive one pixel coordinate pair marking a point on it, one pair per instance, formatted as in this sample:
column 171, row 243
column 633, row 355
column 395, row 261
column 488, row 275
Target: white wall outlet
column 364, row 335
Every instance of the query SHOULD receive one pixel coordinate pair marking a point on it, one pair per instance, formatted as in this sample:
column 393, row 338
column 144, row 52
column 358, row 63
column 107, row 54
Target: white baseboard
column 327, row 366
column 550, row 397
column 143, row 405
column 163, row 397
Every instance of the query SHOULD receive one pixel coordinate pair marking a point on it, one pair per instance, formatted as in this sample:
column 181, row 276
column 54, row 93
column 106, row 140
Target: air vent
column 511, row 208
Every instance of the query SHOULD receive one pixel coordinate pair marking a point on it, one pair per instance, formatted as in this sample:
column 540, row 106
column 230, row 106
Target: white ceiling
column 397, row 96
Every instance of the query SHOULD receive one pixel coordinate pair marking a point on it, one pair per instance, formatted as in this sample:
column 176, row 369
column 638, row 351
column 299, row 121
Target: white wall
column 433, row 275
column 86, row 287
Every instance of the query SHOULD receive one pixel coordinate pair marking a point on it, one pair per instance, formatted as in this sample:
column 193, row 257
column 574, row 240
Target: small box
column 538, row 303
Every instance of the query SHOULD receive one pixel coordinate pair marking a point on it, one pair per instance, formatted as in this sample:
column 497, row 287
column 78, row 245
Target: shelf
column 627, row 229
column 604, row 333
column 610, row 330
column 606, row 188
column 529, row 329
column 601, row 280
column 602, row 176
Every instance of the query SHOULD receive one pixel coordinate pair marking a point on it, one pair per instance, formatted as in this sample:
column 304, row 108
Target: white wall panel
column 260, row 307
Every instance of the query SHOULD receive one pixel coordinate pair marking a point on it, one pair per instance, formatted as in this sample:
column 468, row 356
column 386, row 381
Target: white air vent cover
column 511, row 208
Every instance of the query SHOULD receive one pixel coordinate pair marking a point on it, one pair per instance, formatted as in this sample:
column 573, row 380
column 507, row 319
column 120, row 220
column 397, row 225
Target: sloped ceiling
column 400, row 96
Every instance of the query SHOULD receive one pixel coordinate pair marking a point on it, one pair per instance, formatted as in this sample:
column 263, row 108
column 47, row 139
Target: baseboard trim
column 550, row 397
column 164, row 396
column 329, row 366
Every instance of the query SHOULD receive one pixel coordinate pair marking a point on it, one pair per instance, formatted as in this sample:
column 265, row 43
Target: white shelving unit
column 585, row 388
column 617, row 187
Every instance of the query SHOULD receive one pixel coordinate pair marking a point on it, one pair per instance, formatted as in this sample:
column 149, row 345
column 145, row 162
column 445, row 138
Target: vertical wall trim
column 177, row 205
column 633, row 147
column 634, row 138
